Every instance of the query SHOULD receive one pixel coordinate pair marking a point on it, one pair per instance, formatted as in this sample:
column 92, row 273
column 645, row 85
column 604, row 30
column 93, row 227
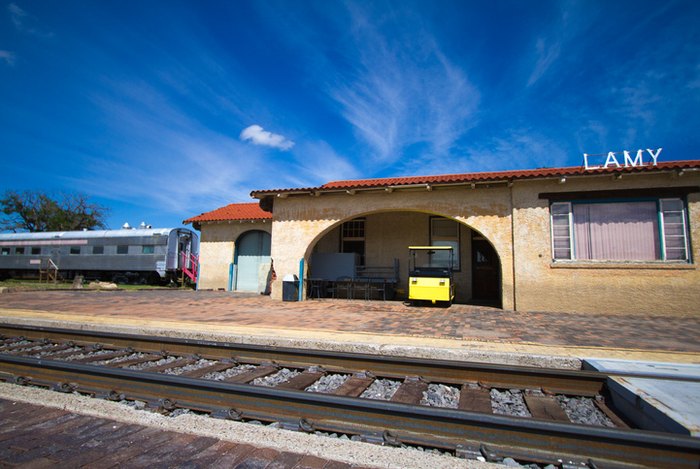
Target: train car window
column 75, row 249
column 19, row 251
column 123, row 249
column 36, row 251
column 147, row 249
column 5, row 252
column 98, row 249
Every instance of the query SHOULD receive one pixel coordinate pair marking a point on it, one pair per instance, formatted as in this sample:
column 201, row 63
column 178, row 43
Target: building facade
column 234, row 250
column 617, row 239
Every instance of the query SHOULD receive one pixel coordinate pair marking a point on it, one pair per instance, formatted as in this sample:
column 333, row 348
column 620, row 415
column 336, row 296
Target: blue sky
column 161, row 110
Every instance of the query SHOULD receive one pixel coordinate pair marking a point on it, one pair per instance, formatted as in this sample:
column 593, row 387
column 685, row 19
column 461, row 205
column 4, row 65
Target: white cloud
column 259, row 136
column 17, row 14
column 387, row 76
column 402, row 90
column 546, row 56
column 8, row 57
column 24, row 22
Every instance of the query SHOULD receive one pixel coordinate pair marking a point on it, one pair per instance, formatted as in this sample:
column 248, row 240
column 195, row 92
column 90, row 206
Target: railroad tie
column 214, row 368
column 301, row 381
column 17, row 348
column 49, row 352
column 354, row 386
column 135, row 361
column 410, row 391
column 475, row 400
column 104, row 356
column 250, row 375
column 546, row 408
column 173, row 364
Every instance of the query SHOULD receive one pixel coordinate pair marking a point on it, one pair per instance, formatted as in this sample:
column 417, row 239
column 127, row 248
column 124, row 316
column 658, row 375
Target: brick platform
column 650, row 332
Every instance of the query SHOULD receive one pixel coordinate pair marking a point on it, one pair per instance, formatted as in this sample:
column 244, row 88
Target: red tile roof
column 247, row 211
column 467, row 178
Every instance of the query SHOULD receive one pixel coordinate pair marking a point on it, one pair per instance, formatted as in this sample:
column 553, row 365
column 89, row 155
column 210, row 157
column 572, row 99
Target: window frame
column 122, row 247
column 457, row 258
column 661, row 226
column 354, row 232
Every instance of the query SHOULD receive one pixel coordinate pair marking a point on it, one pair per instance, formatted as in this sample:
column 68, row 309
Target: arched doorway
column 252, row 250
column 380, row 239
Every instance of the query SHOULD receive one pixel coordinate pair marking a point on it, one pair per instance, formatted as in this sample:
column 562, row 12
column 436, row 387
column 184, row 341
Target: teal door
column 252, row 249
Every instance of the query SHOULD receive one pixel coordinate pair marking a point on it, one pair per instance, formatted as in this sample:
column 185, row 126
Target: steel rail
column 582, row 383
column 468, row 432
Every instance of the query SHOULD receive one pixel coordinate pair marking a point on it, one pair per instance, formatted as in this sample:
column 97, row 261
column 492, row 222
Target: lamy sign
column 628, row 161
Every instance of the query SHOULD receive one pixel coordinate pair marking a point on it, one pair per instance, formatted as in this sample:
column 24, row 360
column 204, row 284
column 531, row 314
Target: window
column 36, row 251
column 123, row 249
column 19, row 251
column 98, row 249
column 352, row 238
column 639, row 230
column 147, row 249
column 5, row 251
column 445, row 232
column 75, row 249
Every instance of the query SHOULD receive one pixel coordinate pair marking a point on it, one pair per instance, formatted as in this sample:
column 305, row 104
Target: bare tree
column 37, row 211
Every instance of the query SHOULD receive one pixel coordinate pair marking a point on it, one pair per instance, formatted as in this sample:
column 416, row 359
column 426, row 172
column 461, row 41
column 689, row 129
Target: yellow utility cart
column 430, row 274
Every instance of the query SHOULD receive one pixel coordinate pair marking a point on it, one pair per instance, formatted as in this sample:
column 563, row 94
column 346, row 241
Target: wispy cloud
column 8, row 57
column 319, row 163
column 546, row 55
column 400, row 89
column 521, row 148
column 26, row 23
column 385, row 74
column 259, row 136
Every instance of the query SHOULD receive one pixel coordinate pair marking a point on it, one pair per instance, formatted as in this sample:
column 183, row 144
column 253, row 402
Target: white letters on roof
column 613, row 159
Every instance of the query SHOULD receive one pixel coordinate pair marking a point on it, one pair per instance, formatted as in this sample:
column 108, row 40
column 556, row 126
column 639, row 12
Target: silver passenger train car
column 151, row 255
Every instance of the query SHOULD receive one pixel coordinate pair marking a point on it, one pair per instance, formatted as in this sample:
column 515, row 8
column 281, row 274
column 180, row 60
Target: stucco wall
column 609, row 288
column 216, row 251
column 299, row 222
column 530, row 279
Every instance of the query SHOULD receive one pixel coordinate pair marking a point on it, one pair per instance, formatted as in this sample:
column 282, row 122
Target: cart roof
column 430, row 248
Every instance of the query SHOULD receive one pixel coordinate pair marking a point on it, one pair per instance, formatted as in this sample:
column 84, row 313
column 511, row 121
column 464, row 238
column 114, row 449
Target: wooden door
column 486, row 272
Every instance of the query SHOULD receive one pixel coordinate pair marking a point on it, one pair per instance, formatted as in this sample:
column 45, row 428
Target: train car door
column 252, row 250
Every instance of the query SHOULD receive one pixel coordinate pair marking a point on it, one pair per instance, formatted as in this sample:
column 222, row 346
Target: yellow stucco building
column 619, row 237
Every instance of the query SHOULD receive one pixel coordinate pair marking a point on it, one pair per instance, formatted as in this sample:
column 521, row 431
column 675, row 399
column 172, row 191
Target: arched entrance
column 252, row 250
column 376, row 244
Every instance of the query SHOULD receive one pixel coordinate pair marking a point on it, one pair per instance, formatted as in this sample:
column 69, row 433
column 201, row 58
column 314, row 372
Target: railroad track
column 469, row 409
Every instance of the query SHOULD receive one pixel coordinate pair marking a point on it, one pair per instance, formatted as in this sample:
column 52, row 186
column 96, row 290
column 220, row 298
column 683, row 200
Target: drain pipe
column 301, row 279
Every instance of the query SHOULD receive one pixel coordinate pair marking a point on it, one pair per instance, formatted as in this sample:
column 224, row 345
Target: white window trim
column 662, row 224
column 569, row 206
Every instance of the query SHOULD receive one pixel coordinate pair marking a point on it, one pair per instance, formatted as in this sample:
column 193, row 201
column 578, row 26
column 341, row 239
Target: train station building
column 616, row 235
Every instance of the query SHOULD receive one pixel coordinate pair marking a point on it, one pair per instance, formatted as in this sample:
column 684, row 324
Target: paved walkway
column 40, row 437
column 674, row 336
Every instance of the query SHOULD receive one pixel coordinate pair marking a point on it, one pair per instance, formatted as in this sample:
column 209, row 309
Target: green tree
column 37, row 211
